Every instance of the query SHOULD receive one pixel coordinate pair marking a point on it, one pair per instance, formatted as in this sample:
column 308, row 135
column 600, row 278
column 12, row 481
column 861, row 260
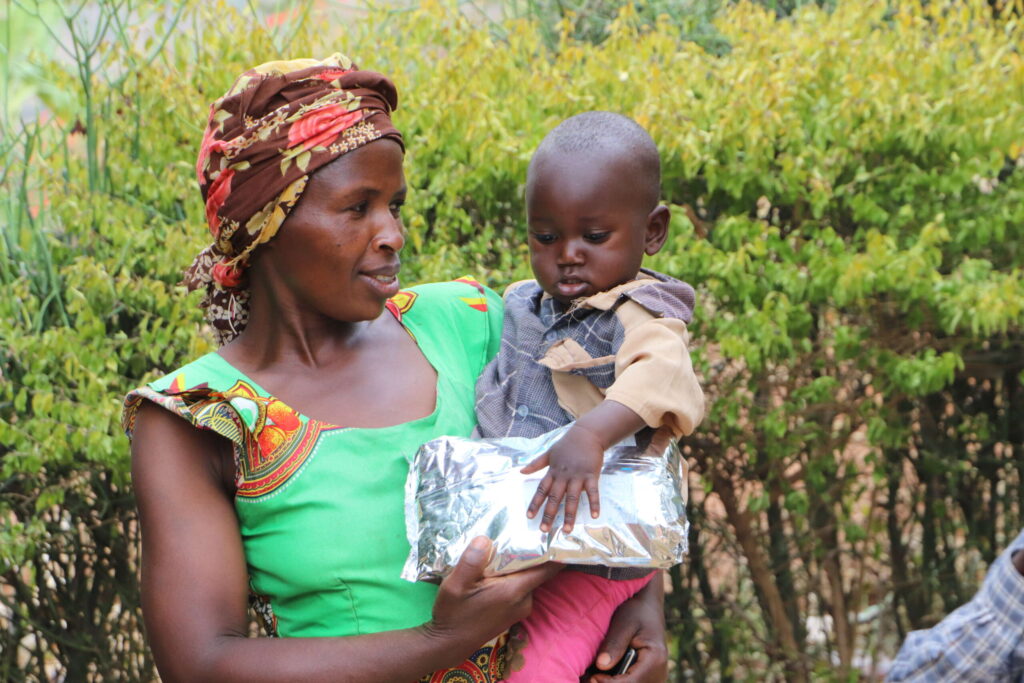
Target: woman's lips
column 386, row 284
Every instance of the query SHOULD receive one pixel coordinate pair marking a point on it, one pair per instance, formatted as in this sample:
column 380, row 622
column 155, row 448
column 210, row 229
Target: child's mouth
column 571, row 288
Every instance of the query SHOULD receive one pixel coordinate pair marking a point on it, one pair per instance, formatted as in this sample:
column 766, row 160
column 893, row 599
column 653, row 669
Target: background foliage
column 846, row 185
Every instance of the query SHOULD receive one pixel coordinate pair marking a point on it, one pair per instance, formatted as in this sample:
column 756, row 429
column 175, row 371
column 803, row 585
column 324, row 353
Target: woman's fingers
column 650, row 666
column 522, row 584
column 506, row 599
column 529, row 579
column 470, row 607
column 612, row 650
column 619, row 636
column 639, row 623
column 514, row 592
column 470, row 568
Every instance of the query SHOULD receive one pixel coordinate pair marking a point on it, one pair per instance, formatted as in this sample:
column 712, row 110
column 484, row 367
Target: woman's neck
column 282, row 333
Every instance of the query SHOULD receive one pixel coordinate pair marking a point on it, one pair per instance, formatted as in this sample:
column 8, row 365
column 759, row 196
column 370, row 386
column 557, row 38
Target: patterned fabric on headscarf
column 277, row 124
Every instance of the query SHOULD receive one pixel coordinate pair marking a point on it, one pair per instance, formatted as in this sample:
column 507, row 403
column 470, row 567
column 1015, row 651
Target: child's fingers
column 537, row 465
column 572, row 501
column 539, row 497
column 555, row 495
column 593, row 497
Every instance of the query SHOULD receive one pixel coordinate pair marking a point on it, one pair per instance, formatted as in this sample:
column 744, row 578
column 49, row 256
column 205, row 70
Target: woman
column 283, row 483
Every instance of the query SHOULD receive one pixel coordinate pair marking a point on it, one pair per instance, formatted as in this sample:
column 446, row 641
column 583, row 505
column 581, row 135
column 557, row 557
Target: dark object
column 624, row 663
column 620, row 668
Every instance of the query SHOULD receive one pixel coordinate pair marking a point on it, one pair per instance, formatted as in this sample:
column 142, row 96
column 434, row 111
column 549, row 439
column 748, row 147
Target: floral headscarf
column 277, row 124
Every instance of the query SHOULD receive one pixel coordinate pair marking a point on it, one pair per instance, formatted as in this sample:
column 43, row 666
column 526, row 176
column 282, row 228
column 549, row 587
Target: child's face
column 589, row 226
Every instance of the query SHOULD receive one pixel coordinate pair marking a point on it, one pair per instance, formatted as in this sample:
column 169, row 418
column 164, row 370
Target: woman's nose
column 390, row 234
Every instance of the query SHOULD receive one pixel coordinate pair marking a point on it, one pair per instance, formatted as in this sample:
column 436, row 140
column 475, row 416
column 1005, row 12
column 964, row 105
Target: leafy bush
column 848, row 198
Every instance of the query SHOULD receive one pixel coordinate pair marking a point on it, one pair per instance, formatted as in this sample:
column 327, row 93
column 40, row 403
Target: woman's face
column 337, row 252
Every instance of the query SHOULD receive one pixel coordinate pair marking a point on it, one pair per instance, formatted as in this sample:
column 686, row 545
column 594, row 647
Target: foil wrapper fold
column 460, row 488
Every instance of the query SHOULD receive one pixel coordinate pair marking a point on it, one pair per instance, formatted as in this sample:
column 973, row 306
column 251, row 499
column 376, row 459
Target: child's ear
column 657, row 229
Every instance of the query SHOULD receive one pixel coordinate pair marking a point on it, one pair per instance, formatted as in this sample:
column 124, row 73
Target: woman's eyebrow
column 359, row 191
column 369, row 191
column 362, row 190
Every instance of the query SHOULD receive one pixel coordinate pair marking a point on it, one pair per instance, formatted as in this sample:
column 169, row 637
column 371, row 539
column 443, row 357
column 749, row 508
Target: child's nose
column 571, row 253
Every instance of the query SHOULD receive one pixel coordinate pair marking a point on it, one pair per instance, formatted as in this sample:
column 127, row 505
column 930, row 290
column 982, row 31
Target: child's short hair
column 606, row 132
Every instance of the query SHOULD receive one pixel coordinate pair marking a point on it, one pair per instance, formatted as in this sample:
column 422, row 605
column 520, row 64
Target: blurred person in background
column 981, row 641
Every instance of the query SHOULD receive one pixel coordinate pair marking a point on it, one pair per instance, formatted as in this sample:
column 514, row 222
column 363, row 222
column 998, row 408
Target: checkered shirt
column 980, row 641
column 515, row 395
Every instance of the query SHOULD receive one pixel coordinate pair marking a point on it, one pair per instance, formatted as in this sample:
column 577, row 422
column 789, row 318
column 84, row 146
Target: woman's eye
column 358, row 208
column 396, row 209
column 543, row 238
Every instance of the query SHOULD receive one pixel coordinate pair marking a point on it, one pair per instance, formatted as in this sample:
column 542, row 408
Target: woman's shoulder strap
column 185, row 392
column 270, row 441
column 463, row 311
column 462, row 297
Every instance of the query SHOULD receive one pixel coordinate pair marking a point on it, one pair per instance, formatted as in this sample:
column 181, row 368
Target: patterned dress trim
column 271, row 441
column 401, row 303
column 260, row 604
column 486, row 665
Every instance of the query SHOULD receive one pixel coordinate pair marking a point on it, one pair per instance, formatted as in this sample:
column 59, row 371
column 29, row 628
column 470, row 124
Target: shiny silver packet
column 460, row 488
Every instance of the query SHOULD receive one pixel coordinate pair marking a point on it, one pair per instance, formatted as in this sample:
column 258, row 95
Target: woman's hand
column 638, row 623
column 470, row 608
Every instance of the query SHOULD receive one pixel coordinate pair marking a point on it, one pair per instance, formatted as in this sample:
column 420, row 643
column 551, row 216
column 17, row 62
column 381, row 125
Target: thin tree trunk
column 772, row 604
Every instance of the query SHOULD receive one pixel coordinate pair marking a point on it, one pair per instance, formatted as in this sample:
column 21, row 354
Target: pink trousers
column 570, row 618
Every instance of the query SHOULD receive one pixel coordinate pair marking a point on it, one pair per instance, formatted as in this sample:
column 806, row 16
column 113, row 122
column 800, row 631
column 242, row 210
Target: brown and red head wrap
column 277, row 124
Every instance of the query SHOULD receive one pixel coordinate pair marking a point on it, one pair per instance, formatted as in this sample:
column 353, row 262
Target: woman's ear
column 657, row 229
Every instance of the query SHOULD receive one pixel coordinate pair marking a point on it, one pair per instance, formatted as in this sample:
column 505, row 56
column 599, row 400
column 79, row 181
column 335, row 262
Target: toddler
column 594, row 338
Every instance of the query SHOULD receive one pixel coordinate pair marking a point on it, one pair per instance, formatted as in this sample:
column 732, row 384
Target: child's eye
column 543, row 238
column 596, row 236
column 359, row 208
column 396, row 209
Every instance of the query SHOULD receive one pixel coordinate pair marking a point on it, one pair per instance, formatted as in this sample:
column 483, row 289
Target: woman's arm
column 638, row 623
column 194, row 583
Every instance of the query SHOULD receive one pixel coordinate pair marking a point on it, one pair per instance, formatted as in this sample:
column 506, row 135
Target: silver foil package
column 460, row 488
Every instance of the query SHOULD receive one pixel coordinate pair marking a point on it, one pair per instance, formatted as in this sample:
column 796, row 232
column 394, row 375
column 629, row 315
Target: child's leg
column 570, row 617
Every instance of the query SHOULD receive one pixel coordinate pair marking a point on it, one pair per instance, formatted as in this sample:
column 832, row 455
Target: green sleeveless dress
column 321, row 507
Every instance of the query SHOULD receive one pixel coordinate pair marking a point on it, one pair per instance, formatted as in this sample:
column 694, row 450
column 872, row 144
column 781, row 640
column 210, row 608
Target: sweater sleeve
column 654, row 375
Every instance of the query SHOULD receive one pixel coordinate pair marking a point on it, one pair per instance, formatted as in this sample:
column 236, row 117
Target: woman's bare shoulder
column 167, row 449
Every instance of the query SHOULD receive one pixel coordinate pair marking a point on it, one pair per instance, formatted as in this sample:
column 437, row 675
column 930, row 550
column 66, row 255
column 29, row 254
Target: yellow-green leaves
column 847, row 189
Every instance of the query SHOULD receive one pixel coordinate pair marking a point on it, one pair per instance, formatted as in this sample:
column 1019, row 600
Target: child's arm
column 653, row 355
column 574, row 463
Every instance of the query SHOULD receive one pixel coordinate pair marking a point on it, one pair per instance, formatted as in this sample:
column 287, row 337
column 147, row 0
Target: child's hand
column 574, row 465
